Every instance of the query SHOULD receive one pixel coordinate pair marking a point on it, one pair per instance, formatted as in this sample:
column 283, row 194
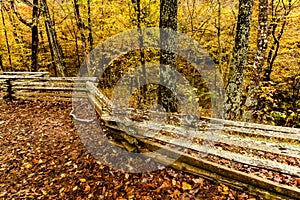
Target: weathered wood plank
column 219, row 137
column 48, row 84
column 214, row 125
column 44, row 98
column 186, row 142
column 249, row 127
column 104, row 102
column 231, row 140
column 293, row 135
column 100, row 108
column 145, row 131
column 254, row 185
column 255, row 126
column 212, row 171
column 83, row 89
column 266, row 146
column 50, row 94
column 70, row 79
column 25, row 73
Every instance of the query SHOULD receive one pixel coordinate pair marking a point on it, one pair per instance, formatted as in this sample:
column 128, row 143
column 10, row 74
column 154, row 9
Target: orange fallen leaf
column 242, row 196
column 297, row 181
column 87, row 189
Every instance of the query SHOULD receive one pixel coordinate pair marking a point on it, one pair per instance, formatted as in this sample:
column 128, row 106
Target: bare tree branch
column 14, row 8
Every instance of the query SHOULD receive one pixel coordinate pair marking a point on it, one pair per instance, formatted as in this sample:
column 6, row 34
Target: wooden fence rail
column 242, row 144
column 37, row 74
column 252, row 143
column 32, row 85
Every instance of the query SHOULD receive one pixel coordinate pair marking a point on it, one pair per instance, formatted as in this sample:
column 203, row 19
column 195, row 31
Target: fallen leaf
column 82, row 180
column 87, row 189
column 199, row 181
column 44, row 192
column 28, row 165
column 242, row 196
column 75, row 188
column 61, row 190
column 225, row 189
column 186, row 186
column 3, row 194
column 297, row 180
column 174, row 182
column 74, row 154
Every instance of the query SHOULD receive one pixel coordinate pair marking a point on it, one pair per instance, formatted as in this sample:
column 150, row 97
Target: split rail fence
column 245, row 144
column 33, row 85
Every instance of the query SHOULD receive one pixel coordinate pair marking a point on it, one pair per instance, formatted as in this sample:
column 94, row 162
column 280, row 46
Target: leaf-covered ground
column 41, row 157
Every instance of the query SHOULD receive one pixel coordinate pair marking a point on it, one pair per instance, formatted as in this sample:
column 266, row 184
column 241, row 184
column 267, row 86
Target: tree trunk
column 275, row 33
column 6, row 38
column 256, row 76
column 233, row 89
column 81, row 27
column 137, row 9
column 1, row 64
column 18, row 37
column 35, row 36
column 219, row 37
column 51, row 52
column 56, row 50
column 168, row 20
column 90, row 37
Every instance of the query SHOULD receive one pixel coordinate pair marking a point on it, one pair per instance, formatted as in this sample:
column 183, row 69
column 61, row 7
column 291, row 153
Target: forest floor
column 42, row 157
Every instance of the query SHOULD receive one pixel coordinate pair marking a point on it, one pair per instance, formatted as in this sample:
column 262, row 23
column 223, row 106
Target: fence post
column 8, row 90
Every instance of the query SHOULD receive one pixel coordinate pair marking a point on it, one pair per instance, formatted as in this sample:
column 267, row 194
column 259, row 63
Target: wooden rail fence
column 256, row 139
column 244, row 144
column 32, row 85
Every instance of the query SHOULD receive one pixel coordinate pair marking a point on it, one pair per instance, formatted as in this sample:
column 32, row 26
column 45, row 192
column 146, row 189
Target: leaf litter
column 42, row 157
